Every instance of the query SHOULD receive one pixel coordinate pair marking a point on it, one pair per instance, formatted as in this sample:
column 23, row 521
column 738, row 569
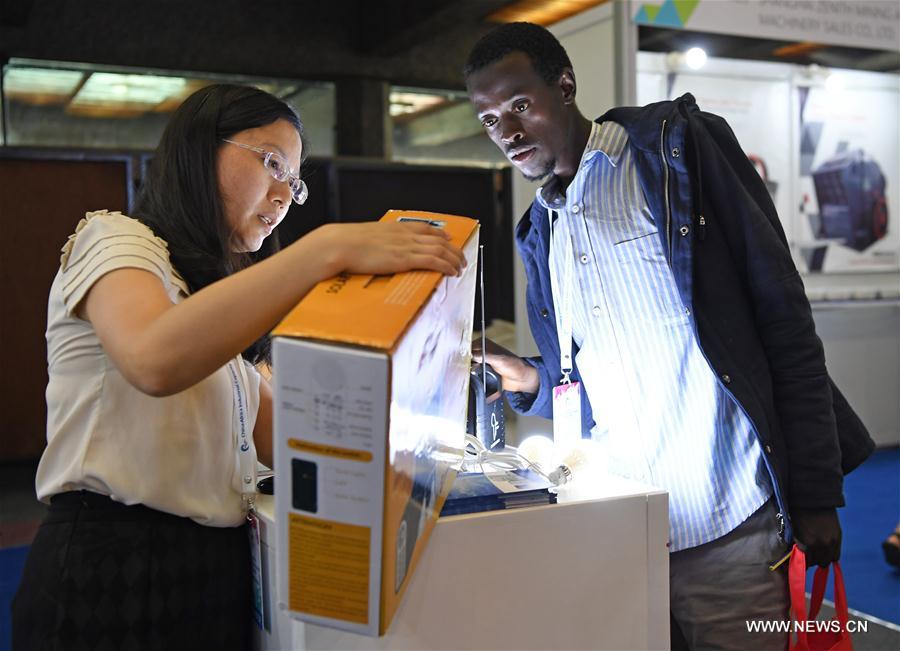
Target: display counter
column 591, row 572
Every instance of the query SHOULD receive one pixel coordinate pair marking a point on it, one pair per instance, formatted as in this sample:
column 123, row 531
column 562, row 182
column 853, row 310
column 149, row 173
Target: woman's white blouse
column 174, row 454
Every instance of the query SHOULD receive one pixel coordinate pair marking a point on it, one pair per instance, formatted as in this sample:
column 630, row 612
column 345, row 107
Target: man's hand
column 516, row 374
column 818, row 534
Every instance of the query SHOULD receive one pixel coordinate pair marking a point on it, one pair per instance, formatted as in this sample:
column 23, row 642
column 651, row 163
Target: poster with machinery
column 848, row 167
column 825, row 142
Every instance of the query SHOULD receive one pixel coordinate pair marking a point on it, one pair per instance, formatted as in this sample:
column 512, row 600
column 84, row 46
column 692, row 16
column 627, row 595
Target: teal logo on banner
column 671, row 13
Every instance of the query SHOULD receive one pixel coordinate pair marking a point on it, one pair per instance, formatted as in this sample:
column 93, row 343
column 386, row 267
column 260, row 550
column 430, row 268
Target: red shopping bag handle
column 797, row 584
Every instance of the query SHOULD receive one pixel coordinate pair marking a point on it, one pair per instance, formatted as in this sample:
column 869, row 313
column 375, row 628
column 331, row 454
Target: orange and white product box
column 371, row 379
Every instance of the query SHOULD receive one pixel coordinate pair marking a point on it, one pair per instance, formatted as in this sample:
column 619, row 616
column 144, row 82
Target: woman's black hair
column 180, row 199
column 548, row 57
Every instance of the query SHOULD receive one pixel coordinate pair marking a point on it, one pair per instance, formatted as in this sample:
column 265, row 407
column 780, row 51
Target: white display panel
column 849, row 130
column 799, row 124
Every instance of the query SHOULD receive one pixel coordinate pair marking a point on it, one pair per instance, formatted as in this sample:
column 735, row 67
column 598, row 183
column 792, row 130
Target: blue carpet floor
column 12, row 561
column 872, row 493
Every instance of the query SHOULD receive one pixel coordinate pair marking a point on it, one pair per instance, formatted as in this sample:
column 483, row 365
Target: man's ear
column 567, row 85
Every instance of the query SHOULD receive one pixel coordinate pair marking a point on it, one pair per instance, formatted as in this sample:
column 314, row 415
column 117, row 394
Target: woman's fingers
column 445, row 252
column 430, row 249
column 385, row 247
column 434, row 263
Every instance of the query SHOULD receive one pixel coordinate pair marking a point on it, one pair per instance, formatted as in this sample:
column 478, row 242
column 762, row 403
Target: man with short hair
column 660, row 278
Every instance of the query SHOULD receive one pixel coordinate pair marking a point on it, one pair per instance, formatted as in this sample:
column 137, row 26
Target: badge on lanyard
column 566, row 414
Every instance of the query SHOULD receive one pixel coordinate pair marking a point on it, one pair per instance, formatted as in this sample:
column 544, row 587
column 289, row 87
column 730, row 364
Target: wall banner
column 849, row 163
column 827, row 152
column 872, row 24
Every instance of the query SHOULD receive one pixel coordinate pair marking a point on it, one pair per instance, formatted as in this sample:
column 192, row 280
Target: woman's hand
column 516, row 374
column 388, row 247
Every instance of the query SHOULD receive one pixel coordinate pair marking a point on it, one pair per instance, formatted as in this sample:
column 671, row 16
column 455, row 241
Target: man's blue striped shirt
column 660, row 411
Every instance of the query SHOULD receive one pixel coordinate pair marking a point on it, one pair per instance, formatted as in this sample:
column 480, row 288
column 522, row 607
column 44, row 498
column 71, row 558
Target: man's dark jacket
column 734, row 272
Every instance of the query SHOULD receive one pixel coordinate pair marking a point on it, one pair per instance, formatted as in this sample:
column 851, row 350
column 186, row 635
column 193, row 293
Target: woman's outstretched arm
column 162, row 348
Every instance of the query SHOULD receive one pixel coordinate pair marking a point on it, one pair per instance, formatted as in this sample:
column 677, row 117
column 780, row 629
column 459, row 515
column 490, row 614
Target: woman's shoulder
column 106, row 240
column 100, row 225
column 107, row 226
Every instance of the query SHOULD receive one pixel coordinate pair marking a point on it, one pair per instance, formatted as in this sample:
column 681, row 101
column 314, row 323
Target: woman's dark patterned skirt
column 102, row 575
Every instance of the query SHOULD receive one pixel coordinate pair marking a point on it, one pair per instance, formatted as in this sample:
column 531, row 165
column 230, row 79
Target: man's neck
column 568, row 163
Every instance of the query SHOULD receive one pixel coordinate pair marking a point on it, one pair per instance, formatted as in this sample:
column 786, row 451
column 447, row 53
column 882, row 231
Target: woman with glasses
column 155, row 407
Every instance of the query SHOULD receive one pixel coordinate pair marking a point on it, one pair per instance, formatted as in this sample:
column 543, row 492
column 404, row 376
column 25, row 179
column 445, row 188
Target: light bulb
column 538, row 449
column 695, row 58
column 586, row 459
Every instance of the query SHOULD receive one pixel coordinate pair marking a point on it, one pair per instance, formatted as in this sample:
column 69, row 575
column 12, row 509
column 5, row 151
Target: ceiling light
column 695, row 58
column 40, row 86
column 407, row 102
column 137, row 91
column 542, row 12
column 797, row 49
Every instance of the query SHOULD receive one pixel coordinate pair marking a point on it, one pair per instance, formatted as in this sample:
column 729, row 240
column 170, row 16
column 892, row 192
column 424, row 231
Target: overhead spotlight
column 695, row 58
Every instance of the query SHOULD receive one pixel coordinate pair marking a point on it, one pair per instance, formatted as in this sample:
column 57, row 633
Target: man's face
column 524, row 116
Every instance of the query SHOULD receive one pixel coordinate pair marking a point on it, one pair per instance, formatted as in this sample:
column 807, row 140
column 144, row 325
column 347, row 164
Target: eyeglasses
column 280, row 171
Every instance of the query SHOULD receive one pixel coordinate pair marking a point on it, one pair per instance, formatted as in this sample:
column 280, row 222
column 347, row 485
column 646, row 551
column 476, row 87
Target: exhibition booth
column 351, row 551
